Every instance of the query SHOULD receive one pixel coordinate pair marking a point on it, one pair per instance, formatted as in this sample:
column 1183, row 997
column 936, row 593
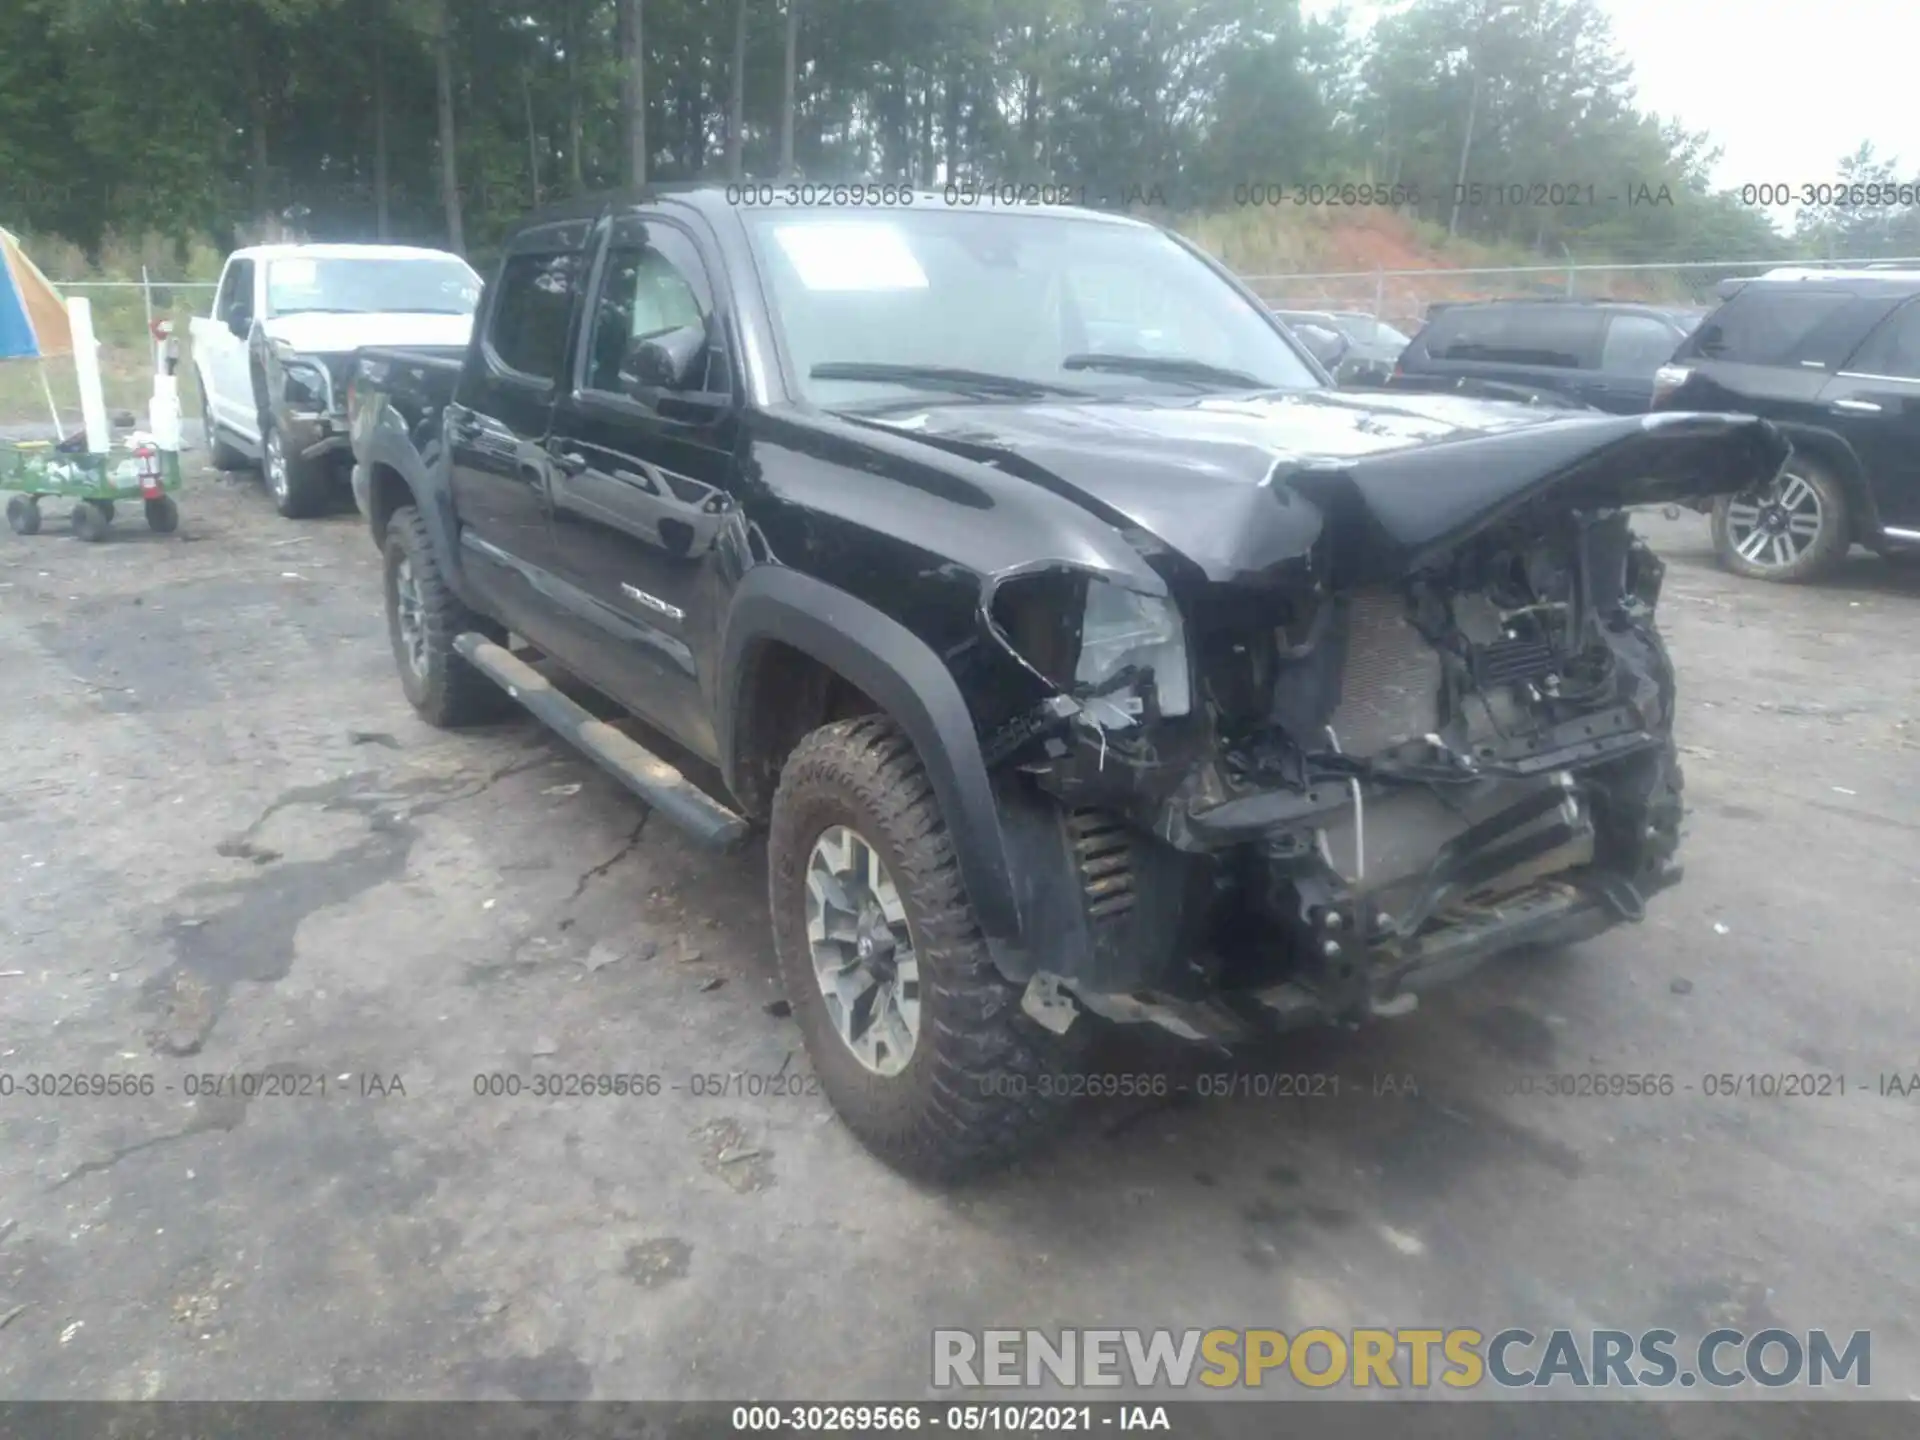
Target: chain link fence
column 124, row 312
column 1402, row 297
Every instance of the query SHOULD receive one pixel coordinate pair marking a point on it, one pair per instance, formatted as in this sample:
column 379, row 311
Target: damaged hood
column 1242, row 485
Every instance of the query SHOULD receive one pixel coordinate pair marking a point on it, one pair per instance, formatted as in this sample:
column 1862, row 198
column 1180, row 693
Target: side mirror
column 670, row 360
column 240, row 325
column 1329, row 347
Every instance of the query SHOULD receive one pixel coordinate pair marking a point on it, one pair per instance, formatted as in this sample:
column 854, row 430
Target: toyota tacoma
column 1082, row 652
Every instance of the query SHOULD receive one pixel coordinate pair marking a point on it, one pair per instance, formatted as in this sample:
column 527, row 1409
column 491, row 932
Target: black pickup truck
column 1082, row 651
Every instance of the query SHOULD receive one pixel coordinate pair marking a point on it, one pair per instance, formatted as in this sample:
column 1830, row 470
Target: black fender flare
column 901, row 673
column 390, row 448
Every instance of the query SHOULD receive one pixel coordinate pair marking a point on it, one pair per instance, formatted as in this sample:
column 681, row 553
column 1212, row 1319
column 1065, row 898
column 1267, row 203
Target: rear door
column 497, row 426
column 1539, row 346
column 1874, row 402
column 644, row 481
column 1635, row 345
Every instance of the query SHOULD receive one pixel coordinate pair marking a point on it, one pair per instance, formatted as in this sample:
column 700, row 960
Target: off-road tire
column 307, row 489
column 220, row 454
column 23, row 515
column 163, row 515
column 1820, row 558
column 451, row 693
column 984, row 1082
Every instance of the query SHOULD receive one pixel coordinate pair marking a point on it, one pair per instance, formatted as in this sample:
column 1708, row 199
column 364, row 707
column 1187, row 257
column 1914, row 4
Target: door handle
column 1864, row 407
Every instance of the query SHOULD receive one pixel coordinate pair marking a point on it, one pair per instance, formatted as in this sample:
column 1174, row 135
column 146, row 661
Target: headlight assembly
column 304, row 381
column 1122, row 629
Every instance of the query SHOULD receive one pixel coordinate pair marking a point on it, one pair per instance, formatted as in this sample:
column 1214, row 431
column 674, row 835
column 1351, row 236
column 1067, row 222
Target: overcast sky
column 1785, row 88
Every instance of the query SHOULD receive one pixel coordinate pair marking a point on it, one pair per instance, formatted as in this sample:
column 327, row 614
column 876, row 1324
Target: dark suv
column 1833, row 357
column 1601, row 353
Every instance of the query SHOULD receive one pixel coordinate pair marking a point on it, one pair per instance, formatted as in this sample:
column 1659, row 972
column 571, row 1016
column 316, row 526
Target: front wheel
column 1794, row 529
column 920, row 1044
column 424, row 617
column 163, row 515
column 298, row 486
column 23, row 515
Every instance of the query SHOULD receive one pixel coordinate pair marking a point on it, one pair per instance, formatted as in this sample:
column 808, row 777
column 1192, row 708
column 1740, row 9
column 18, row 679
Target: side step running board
column 634, row 766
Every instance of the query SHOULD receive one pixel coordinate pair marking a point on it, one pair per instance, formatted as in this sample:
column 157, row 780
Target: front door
column 226, row 370
column 496, row 431
column 643, row 479
column 1874, row 402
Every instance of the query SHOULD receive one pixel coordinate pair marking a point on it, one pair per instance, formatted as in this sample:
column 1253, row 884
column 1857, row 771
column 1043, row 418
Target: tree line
column 442, row 122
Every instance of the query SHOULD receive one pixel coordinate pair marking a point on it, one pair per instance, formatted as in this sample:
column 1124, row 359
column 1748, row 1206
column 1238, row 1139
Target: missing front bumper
column 1561, row 911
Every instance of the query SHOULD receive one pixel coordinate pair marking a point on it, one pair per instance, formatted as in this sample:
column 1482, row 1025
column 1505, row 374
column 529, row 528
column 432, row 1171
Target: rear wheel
column 423, row 618
column 919, row 1042
column 1794, row 529
column 23, row 515
column 89, row 522
column 220, row 454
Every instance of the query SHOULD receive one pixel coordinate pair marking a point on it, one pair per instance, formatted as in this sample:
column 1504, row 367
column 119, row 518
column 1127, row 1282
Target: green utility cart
column 40, row 470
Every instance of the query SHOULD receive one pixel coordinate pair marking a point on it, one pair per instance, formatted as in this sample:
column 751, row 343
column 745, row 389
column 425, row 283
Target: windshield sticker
column 295, row 272
column 842, row 255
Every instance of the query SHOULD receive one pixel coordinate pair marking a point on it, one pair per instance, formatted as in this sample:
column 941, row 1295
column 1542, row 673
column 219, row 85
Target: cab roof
column 710, row 199
column 340, row 252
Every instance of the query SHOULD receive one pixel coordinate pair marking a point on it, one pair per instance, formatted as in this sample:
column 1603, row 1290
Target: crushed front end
column 1339, row 785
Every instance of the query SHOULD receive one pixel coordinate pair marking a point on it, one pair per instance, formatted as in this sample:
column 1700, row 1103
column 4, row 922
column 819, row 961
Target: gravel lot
column 227, row 845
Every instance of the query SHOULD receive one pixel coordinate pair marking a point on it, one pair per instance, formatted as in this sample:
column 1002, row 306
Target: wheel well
column 387, row 491
column 784, row 696
column 1833, row 455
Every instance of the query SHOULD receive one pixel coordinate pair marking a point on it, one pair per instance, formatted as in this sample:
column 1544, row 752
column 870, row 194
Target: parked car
column 1833, row 358
column 1601, row 353
column 1155, row 683
column 1357, row 348
column 273, row 358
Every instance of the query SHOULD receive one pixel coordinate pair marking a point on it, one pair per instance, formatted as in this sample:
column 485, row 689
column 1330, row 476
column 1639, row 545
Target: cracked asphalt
column 228, row 848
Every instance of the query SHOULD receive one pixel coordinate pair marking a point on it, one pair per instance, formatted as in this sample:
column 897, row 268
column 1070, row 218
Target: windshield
column 306, row 285
column 1016, row 296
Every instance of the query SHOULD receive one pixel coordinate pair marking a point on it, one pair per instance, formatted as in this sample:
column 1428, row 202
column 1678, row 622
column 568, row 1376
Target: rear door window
column 1553, row 336
column 1637, row 344
column 1894, row 349
column 527, row 331
column 1803, row 325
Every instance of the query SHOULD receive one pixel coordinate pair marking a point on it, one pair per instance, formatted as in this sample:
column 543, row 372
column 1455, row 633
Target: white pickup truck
column 274, row 358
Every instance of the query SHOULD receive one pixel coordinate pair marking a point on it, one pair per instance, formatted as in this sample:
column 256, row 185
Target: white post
column 146, row 295
column 86, row 360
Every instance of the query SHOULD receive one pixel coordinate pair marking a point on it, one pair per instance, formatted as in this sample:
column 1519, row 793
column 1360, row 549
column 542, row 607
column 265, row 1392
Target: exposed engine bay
column 1347, row 791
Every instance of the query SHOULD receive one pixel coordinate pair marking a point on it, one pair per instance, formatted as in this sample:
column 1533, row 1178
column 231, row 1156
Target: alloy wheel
column 410, row 614
column 1774, row 527
column 863, row 952
column 276, row 464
